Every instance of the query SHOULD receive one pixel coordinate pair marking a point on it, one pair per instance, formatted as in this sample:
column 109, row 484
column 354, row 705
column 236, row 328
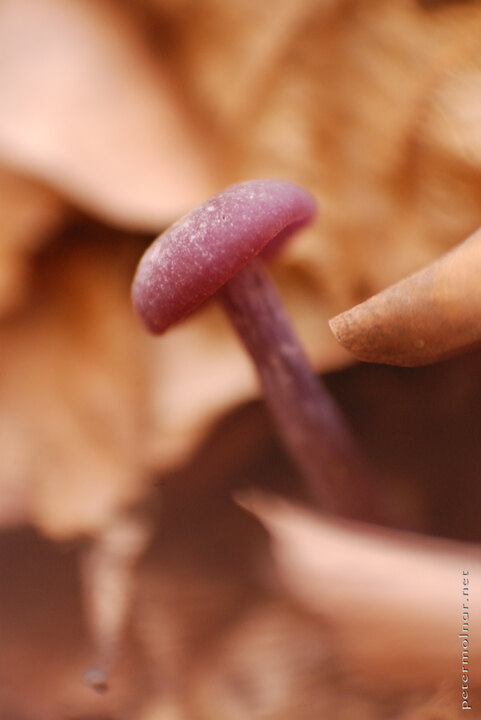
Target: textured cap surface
column 204, row 249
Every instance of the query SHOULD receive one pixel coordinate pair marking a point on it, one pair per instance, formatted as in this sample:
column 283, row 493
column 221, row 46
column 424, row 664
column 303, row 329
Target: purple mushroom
column 213, row 250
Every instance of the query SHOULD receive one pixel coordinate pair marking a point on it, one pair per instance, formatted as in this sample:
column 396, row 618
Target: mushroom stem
column 307, row 417
column 214, row 250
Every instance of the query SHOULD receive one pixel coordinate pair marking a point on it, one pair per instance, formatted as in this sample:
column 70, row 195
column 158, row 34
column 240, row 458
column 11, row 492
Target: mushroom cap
column 197, row 255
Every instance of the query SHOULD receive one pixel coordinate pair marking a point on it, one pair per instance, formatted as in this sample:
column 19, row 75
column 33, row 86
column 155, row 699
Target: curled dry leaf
column 393, row 599
column 427, row 317
column 72, row 383
column 29, row 214
column 204, row 642
column 86, row 108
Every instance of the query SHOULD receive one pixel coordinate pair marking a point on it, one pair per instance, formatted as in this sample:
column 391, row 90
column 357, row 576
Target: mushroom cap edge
column 200, row 252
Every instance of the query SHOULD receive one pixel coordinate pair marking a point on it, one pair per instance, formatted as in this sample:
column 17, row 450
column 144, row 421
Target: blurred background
column 127, row 462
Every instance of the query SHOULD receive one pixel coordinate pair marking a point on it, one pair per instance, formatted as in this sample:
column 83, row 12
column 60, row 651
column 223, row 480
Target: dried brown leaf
column 72, row 384
column 427, row 317
column 86, row 108
column 29, row 213
column 380, row 590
